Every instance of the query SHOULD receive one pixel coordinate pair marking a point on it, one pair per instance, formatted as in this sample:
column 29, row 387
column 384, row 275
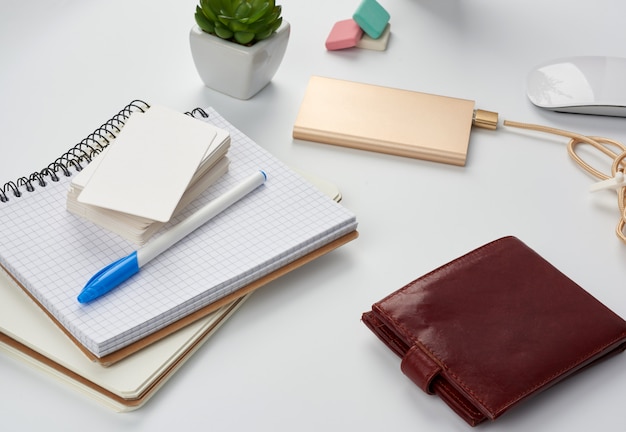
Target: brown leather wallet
column 494, row 327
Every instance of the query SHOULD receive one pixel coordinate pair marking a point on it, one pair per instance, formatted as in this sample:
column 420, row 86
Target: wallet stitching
column 472, row 411
column 579, row 362
column 517, row 397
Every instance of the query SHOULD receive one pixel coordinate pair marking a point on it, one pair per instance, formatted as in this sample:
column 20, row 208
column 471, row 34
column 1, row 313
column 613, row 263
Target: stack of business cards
column 160, row 162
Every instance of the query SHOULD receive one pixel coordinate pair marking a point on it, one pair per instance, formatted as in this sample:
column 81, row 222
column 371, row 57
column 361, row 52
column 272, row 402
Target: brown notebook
column 493, row 328
column 384, row 119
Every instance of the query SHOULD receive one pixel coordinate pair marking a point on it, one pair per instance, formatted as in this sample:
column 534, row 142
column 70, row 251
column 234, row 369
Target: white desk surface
column 296, row 357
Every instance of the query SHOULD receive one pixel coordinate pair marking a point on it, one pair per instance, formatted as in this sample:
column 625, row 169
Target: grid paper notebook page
column 53, row 253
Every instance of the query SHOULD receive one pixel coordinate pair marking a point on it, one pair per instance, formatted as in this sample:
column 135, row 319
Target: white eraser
column 379, row 44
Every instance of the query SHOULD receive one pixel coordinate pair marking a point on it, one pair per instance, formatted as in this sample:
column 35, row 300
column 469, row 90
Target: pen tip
column 83, row 298
column 264, row 174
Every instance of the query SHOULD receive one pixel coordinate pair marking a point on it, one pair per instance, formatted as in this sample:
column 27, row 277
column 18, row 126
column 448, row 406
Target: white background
column 296, row 356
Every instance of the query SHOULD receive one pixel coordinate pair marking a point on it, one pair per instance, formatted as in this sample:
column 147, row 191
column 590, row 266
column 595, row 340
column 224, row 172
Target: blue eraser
column 371, row 17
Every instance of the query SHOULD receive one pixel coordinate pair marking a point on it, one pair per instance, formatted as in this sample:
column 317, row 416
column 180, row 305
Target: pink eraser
column 344, row 34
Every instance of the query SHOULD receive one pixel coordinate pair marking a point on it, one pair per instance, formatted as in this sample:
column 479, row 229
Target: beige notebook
column 27, row 334
column 386, row 120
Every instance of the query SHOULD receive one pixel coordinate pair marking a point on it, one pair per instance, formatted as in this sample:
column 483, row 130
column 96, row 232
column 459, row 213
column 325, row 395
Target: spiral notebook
column 52, row 253
column 28, row 335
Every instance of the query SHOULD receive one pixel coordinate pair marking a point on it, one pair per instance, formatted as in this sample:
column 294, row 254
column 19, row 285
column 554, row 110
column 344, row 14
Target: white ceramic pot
column 234, row 69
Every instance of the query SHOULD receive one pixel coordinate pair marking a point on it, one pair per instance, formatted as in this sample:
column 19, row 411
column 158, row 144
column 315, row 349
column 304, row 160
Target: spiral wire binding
column 76, row 157
column 82, row 153
column 197, row 112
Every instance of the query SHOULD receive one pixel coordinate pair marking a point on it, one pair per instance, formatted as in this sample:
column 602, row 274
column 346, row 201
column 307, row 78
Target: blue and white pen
column 116, row 273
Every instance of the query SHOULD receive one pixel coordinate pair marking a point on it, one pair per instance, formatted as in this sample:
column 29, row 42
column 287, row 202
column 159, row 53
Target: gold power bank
column 386, row 120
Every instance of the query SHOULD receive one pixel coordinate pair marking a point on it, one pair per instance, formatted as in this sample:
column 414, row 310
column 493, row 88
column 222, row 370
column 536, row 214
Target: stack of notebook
column 162, row 314
column 26, row 333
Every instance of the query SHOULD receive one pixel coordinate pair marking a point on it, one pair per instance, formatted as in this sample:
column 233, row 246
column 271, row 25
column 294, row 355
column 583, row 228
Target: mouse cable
column 611, row 148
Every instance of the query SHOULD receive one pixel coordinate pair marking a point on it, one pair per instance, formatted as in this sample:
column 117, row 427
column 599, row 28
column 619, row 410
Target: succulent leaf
column 244, row 38
column 261, row 11
column 263, row 35
column 203, row 22
column 223, row 31
column 237, row 26
column 242, row 11
column 257, row 4
column 228, row 7
column 208, row 9
column 223, row 19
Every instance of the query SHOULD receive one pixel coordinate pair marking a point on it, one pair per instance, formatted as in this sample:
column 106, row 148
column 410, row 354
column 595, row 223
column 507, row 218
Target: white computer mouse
column 584, row 85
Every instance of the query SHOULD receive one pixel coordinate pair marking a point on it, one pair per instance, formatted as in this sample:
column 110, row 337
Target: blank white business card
column 148, row 167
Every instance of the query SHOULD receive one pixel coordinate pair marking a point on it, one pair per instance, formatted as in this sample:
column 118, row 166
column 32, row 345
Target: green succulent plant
column 242, row 21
